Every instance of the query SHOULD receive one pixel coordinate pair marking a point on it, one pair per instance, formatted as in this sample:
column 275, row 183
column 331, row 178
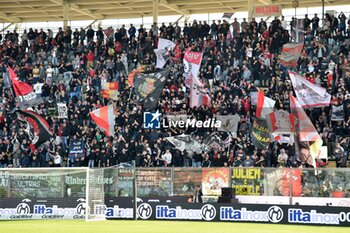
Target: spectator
column 248, row 162
column 237, row 58
column 339, row 154
column 167, row 158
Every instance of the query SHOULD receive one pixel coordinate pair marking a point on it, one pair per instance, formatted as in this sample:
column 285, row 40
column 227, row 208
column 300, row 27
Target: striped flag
column 37, row 128
column 110, row 90
column 105, row 119
column 290, row 54
column 280, row 124
column 264, row 106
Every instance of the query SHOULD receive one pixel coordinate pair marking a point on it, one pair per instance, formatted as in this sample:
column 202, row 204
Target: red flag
column 105, row 119
column 24, row 92
column 20, row 88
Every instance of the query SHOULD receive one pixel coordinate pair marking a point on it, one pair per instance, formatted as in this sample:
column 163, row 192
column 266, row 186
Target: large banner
column 30, row 184
column 213, row 179
column 152, row 182
column 279, row 182
column 248, row 181
column 48, row 208
column 214, row 212
column 260, row 134
column 185, row 181
column 75, row 208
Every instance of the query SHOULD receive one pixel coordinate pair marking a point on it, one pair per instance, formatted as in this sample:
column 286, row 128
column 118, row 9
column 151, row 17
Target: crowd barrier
column 283, row 195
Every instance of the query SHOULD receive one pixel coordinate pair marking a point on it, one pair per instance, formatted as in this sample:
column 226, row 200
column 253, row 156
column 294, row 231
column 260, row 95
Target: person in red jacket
column 90, row 59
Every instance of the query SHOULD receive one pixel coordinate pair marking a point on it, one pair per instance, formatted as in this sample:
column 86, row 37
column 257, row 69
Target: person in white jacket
column 167, row 157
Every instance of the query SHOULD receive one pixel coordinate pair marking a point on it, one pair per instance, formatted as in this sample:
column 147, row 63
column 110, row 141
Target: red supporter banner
column 269, row 10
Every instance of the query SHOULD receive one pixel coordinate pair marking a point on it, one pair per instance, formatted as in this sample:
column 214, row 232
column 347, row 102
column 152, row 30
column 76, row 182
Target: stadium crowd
column 238, row 57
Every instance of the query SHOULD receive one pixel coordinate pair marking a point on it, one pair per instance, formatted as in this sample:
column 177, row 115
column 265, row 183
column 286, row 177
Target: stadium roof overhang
column 16, row 11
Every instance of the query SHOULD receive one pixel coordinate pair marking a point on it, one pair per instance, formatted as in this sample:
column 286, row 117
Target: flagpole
column 131, row 90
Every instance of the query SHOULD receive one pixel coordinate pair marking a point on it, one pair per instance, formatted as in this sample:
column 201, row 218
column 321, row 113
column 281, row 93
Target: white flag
column 228, row 123
column 309, row 95
column 163, row 51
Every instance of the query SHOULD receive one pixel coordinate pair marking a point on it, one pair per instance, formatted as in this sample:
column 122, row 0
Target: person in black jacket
column 197, row 197
column 90, row 34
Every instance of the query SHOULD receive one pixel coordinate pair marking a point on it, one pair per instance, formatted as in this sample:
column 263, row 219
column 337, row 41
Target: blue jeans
column 217, row 72
column 54, row 61
column 64, row 142
column 196, row 164
column 70, row 162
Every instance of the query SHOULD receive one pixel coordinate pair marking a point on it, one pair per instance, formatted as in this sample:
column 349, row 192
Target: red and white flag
column 309, row 95
column 280, row 121
column 24, row 92
column 192, row 62
column 304, row 126
column 291, row 54
column 264, row 106
column 110, row 90
column 198, row 94
column 105, row 119
column 307, row 133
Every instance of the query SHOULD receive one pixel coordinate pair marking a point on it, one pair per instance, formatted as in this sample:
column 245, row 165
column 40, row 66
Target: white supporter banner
column 62, row 111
